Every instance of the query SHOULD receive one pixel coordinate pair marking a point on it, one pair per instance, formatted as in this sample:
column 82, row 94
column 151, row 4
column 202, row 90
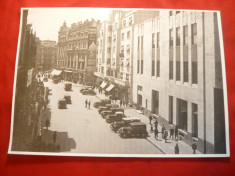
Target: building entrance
column 182, row 114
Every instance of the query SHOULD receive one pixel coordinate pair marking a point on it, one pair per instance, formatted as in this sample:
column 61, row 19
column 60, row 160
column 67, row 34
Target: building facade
column 45, row 55
column 115, row 52
column 74, row 46
column 178, row 77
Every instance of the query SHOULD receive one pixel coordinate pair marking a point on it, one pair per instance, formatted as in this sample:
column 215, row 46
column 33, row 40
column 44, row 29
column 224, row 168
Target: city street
column 83, row 130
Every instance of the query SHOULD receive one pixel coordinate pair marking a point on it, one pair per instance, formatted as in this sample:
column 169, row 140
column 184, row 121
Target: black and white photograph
column 120, row 83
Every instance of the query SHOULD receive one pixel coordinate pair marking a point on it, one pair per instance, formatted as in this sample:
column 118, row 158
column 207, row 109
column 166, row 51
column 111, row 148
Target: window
column 171, row 13
column 127, row 77
column 171, row 68
column 128, row 34
column 122, row 36
column 130, row 21
column 142, row 41
column 177, row 12
column 138, row 43
column 142, row 66
column 124, row 23
column 153, row 40
column 155, row 102
column 194, row 33
column 158, row 40
column 178, row 36
column 185, row 35
column 153, row 67
column 171, row 37
column 194, row 120
column 138, row 66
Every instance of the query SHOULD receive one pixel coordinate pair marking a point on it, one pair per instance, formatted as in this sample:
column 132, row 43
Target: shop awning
column 56, row 72
column 110, row 88
column 103, row 84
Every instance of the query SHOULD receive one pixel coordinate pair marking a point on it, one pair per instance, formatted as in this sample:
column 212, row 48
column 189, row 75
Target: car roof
column 131, row 118
column 119, row 113
column 137, row 123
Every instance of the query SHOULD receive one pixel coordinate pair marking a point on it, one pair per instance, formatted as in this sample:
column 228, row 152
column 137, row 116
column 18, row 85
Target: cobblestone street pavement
column 83, row 130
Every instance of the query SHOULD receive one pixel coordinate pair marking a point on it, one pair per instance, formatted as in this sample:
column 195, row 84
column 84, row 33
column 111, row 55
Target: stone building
column 115, row 51
column 74, row 46
column 46, row 55
column 177, row 75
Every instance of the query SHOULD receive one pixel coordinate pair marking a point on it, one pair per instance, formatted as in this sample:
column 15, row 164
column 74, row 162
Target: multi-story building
column 177, row 75
column 117, row 66
column 74, row 46
column 46, row 54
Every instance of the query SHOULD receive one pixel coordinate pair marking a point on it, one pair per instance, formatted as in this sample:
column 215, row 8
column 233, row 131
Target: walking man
column 86, row 102
column 47, row 123
column 177, row 150
column 89, row 104
column 163, row 129
column 176, row 132
column 194, row 146
column 54, row 137
column 156, row 133
column 150, row 119
column 171, row 131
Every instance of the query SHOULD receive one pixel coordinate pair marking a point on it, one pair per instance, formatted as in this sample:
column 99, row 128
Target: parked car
column 88, row 92
column 68, row 99
column 45, row 79
column 102, row 102
column 56, row 80
column 85, row 88
column 135, row 129
column 115, row 117
column 107, row 107
column 68, row 86
column 124, row 123
column 62, row 104
column 105, row 113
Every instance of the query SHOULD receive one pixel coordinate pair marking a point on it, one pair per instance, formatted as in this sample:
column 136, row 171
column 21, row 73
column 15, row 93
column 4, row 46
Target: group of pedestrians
column 122, row 103
column 173, row 134
column 88, row 104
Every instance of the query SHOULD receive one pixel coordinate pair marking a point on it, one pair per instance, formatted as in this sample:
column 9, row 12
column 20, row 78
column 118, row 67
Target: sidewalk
column 166, row 148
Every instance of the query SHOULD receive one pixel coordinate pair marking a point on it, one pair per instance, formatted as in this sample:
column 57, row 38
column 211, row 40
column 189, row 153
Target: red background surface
column 52, row 165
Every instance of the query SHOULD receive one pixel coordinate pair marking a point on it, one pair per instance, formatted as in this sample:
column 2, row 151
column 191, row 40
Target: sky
column 47, row 21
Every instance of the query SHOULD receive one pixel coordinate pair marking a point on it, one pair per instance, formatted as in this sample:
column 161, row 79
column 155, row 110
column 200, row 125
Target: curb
column 157, row 146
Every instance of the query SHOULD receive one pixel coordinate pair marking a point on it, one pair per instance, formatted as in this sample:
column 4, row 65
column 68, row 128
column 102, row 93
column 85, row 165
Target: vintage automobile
column 124, row 123
column 68, row 99
column 135, row 129
column 45, row 79
column 114, row 117
column 88, row 92
column 56, row 80
column 62, row 104
column 102, row 102
column 68, row 86
column 105, row 113
column 107, row 107
column 85, row 88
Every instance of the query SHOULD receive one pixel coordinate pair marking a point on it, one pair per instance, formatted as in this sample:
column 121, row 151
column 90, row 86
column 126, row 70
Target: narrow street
column 83, row 130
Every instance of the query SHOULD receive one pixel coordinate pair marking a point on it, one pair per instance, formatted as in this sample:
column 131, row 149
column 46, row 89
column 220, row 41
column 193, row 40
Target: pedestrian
column 177, row 150
column 86, row 102
column 124, row 103
column 47, row 123
column 171, row 131
column 156, row 123
column 151, row 128
column 150, row 118
column 163, row 129
column 120, row 103
column 89, row 104
column 156, row 133
column 54, row 137
column 176, row 132
column 165, row 135
column 194, row 146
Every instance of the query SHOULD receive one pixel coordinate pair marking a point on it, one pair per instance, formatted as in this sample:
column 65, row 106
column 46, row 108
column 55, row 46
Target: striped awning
column 110, row 88
column 103, row 84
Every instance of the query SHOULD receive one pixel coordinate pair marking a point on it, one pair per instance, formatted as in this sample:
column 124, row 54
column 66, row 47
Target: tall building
column 115, row 52
column 177, row 75
column 74, row 46
column 46, row 55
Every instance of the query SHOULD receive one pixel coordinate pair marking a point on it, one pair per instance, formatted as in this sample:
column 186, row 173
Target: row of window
column 185, row 35
column 128, row 35
column 127, row 22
